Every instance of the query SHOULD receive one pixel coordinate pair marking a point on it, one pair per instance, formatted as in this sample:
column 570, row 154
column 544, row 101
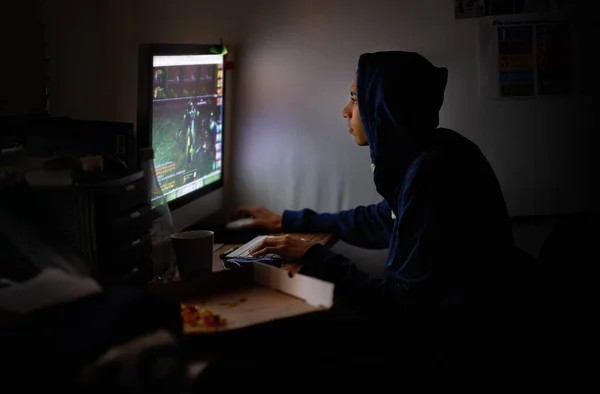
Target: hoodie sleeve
column 320, row 262
column 367, row 227
column 354, row 288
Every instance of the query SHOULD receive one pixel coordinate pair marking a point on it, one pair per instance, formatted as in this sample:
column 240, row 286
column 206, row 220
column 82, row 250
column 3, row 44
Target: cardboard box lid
column 313, row 291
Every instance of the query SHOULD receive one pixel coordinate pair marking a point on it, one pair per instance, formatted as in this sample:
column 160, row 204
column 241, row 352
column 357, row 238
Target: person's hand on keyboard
column 264, row 218
column 290, row 248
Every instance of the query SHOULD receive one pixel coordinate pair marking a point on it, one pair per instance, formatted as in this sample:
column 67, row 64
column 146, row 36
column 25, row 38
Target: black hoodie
column 443, row 216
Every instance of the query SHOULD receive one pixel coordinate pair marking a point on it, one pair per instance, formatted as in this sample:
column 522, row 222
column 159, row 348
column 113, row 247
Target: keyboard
column 243, row 251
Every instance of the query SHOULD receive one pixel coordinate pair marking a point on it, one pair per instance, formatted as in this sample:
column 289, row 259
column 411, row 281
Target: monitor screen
column 186, row 122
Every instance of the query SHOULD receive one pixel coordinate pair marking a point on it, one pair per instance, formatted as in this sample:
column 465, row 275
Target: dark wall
column 22, row 59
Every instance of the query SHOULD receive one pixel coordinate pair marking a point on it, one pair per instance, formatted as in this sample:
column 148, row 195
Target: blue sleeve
column 367, row 227
column 352, row 286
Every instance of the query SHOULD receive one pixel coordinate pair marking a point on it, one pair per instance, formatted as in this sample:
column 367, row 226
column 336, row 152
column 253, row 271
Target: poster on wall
column 516, row 73
column 464, row 9
column 525, row 59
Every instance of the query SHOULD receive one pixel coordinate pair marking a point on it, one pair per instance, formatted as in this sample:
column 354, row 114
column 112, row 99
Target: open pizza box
column 246, row 296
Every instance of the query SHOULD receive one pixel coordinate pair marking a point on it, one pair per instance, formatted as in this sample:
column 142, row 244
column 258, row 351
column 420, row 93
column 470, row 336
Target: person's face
column 351, row 113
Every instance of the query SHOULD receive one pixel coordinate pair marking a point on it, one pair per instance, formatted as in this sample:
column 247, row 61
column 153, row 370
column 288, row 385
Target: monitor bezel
column 144, row 110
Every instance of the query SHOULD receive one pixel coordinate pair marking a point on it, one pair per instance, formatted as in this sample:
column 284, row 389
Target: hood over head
column 399, row 98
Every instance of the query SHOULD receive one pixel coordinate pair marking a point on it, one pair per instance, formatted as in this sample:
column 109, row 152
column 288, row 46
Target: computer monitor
column 181, row 114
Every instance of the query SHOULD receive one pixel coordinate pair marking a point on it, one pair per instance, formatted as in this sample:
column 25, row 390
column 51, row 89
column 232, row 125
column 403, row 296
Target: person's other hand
column 290, row 248
column 264, row 218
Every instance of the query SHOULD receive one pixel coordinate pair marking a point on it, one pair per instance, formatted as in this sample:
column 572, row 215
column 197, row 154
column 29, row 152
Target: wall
column 22, row 60
column 78, row 86
column 295, row 61
column 296, row 82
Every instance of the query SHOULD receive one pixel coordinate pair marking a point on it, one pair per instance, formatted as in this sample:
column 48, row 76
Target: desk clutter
column 76, row 184
column 72, row 342
column 107, row 223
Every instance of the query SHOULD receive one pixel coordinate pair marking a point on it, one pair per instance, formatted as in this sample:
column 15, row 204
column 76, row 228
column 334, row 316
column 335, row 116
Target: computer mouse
column 239, row 223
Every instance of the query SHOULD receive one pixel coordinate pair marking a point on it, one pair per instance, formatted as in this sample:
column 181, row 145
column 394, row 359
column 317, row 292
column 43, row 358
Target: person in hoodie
column 442, row 216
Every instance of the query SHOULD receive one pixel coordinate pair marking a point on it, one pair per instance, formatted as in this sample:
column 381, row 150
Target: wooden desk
column 324, row 239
